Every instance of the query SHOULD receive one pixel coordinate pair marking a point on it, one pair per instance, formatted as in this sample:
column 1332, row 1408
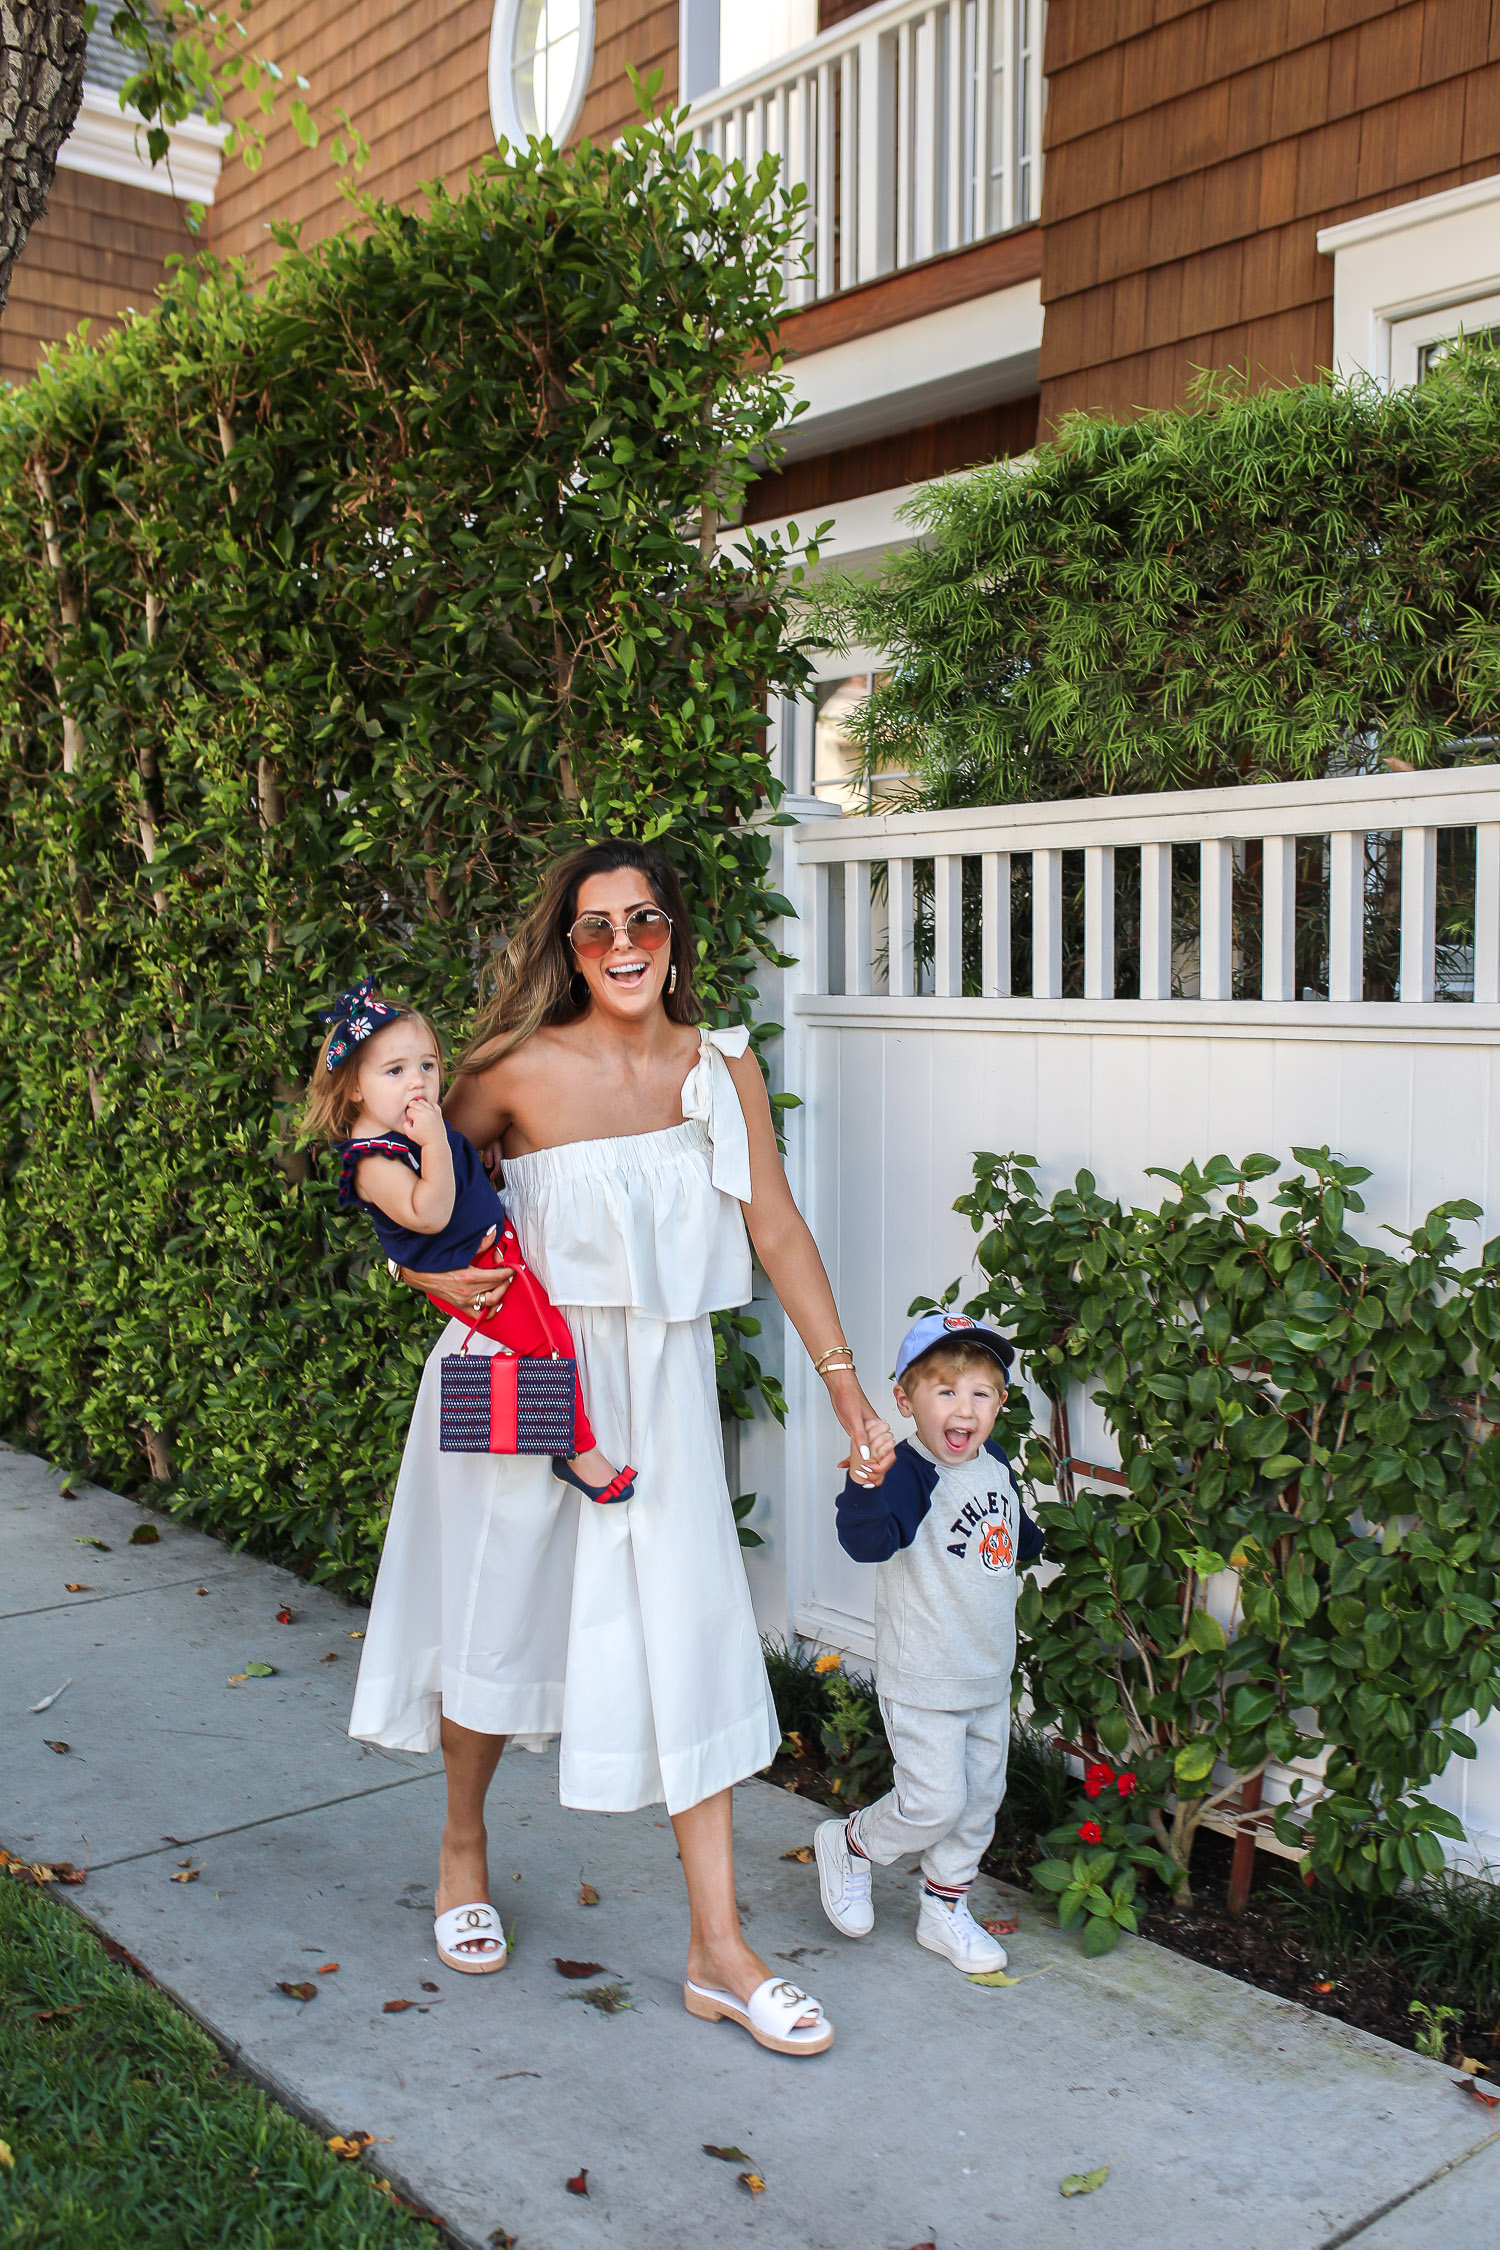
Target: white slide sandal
column 477, row 1925
column 769, row 2015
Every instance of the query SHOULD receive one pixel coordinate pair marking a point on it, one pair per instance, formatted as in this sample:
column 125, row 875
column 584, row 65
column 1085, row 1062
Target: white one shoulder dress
column 517, row 1606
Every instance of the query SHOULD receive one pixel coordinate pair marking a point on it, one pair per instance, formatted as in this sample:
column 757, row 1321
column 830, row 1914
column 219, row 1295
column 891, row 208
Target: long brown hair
column 531, row 983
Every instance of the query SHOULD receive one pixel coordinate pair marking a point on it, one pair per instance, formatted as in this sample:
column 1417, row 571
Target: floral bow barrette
column 356, row 1014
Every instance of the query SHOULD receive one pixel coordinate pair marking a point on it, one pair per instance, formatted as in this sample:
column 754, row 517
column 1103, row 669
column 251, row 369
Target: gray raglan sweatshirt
column 945, row 1606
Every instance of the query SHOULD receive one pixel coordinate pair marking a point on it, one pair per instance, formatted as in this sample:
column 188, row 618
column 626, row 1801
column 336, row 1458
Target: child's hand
column 424, row 1121
column 872, row 1472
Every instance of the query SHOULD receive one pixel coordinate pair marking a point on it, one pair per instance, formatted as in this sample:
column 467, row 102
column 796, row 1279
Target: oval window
column 541, row 52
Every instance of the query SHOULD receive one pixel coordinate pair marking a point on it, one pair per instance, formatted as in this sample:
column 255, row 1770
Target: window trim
column 1438, row 255
column 504, row 116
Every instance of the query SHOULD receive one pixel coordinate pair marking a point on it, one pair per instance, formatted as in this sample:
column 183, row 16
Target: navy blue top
column 874, row 1520
column 476, row 1203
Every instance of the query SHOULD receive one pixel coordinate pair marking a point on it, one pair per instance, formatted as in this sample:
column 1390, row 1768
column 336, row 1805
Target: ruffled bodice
column 648, row 1221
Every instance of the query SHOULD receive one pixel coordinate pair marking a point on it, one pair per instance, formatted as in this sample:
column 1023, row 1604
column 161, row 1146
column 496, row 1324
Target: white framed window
column 541, row 53
column 1423, row 342
column 1409, row 280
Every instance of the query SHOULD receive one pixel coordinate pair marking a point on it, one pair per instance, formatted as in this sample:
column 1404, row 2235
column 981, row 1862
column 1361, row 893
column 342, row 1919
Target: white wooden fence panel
column 901, row 1087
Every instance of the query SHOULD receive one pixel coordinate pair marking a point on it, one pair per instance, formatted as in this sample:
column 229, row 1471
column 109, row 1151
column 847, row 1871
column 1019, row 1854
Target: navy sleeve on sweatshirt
column 874, row 1521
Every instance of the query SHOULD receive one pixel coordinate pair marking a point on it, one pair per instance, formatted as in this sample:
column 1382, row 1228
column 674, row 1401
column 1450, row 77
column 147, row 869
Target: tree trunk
column 42, row 45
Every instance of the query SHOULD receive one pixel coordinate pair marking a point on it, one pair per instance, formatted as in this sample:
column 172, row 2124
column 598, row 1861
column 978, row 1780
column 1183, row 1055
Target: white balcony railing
column 922, row 931
column 915, row 128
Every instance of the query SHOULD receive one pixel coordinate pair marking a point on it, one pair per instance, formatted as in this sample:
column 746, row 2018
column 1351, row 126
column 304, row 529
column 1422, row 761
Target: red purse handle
column 518, row 1273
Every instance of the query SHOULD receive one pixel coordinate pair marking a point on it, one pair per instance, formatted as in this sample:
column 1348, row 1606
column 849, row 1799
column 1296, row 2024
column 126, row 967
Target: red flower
column 1095, row 1779
column 1125, row 1784
column 1091, row 1832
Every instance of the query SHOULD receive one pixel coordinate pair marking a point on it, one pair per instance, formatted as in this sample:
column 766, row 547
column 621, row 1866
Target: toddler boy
column 946, row 1530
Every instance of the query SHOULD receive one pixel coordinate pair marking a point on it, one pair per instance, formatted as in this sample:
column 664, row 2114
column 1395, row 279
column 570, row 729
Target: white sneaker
column 844, row 1880
column 957, row 1936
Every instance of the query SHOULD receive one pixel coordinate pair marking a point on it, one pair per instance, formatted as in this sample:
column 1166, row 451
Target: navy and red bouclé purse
column 507, row 1402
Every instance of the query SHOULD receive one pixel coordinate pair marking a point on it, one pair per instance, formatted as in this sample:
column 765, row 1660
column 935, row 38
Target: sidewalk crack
column 1357, row 2227
column 266, row 1820
column 125, row 1594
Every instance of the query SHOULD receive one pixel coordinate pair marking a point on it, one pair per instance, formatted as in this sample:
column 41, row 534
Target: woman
column 636, row 1148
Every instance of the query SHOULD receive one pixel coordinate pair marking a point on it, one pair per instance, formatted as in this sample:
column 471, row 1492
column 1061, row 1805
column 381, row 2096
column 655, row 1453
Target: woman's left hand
column 871, row 1446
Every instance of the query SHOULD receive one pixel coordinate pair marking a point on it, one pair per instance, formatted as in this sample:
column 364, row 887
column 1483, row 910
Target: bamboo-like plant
column 1249, row 588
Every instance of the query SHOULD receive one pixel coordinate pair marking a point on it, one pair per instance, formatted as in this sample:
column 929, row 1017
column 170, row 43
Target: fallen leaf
column 49, row 2015
column 356, row 1636
column 66, row 1872
column 1326, row 1986
column 500, row 2240
column 802, row 1852
column 754, row 2182
column 573, row 1968
column 726, row 2155
column 1472, row 2086
column 396, row 2007
column 260, row 1671
column 145, row 1535
column 332, row 1657
column 1004, row 1925
column 99, row 1543
column 587, row 1895
column 1084, row 2183
column 202, row 1589
column 48, row 1700
column 346, row 2145
column 305, row 1991
column 190, row 1875
column 283, row 1617
column 994, row 1977
column 185, row 1863
column 237, row 1679
column 924, row 2246
column 77, row 1588
column 1471, row 2063
column 426, row 1987
column 330, row 1968
column 579, row 2184
column 5, row 2156
column 62, row 1748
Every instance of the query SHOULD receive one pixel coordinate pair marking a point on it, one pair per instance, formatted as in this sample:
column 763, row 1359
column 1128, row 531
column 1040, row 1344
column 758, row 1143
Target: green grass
column 128, row 2129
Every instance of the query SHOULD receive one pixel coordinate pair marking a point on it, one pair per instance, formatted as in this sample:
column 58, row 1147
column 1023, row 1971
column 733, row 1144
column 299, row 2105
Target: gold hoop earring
column 672, row 979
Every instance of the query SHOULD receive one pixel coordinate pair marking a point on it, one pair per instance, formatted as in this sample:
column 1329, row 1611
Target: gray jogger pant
column 949, row 1780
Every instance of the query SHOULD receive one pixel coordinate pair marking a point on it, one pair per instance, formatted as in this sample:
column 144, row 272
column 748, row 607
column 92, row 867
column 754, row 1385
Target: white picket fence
column 903, row 1076
column 915, row 127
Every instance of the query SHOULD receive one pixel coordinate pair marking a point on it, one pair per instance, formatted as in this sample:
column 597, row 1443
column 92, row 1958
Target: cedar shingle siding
column 1193, row 152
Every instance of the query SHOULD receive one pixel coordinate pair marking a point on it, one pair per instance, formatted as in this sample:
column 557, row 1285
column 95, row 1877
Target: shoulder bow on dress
column 709, row 1094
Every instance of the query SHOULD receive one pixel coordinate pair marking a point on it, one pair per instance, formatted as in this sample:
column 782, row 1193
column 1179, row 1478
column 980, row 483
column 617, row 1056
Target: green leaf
column 1085, row 2183
column 1195, row 1761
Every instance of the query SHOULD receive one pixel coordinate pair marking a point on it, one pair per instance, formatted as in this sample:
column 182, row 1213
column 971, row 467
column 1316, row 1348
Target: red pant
column 526, row 1321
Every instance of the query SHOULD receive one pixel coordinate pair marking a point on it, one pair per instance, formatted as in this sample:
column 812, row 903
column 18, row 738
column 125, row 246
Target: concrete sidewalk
column 946, row 2113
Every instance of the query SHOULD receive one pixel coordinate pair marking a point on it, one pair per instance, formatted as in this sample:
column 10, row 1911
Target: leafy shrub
column 328, row 614
column 1302, row 1566
column 1261, row 587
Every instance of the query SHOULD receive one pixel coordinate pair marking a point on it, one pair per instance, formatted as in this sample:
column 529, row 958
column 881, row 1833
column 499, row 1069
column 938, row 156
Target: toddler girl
column 375, row 1095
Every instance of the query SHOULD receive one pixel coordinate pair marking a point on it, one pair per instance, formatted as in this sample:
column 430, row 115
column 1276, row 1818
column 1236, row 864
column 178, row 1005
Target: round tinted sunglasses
column 593, row 935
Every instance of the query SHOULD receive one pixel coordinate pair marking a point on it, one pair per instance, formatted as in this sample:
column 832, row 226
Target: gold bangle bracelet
column 835, row 1351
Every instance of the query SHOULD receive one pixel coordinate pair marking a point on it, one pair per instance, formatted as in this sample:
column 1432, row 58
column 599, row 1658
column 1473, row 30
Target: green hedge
column 1251, row 588
column 327, row 614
